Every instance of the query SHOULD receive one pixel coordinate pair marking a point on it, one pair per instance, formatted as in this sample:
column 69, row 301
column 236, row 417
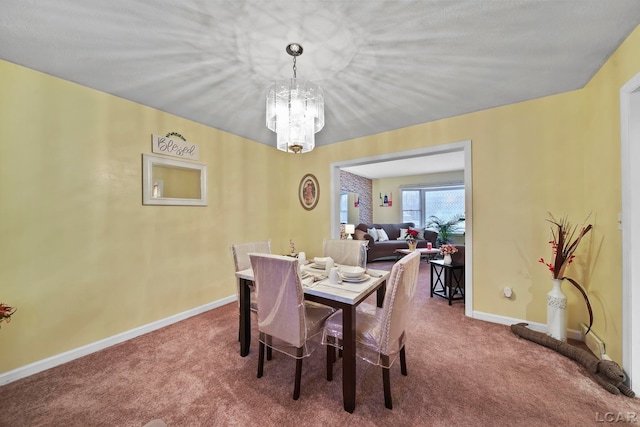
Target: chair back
column 347, row 251
column 401, row 287
column 280, row 297
column 241, row 252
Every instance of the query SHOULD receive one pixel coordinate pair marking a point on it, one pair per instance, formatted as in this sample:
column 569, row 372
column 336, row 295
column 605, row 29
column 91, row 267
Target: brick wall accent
column 363, row 187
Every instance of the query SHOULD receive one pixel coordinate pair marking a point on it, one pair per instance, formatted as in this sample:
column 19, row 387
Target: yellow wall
column 80, row 256
column 558, row 154
column 83, row 260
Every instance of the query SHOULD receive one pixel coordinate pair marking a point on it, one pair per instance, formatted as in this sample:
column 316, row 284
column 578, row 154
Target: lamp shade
column 349, row 228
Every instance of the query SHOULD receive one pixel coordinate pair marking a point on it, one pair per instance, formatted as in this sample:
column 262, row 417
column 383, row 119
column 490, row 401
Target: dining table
column 345, row 296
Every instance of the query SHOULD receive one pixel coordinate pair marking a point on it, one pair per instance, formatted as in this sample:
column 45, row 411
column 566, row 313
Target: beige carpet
column 462, row 372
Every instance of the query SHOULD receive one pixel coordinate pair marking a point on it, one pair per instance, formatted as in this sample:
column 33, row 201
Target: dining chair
column 242, row 261
column 286, row 322
column 347, row 252
column 380, row 332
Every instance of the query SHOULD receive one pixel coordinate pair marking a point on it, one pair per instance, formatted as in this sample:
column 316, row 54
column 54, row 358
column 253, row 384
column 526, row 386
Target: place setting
column 320, row 263
column 353, row 274
column 347, row 278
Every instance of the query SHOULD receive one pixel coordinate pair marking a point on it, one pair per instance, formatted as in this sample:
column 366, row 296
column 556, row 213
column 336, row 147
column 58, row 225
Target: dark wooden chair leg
column 296, row 388
column 403, row 362
column 386, row 383
column 260, row 359
column 331, row 358
column 269, row 349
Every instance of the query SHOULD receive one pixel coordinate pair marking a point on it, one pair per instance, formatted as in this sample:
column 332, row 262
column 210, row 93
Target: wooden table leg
column 380, row 294
column 349, row 358
column 245, row 317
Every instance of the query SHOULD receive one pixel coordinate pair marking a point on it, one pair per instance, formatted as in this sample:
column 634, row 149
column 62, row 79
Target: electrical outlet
column 508, row 292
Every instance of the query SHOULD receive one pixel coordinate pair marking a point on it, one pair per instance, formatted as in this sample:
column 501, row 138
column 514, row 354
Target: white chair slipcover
column 380, row 332
column 347, row 252
column 286, row 322
column 241, row 261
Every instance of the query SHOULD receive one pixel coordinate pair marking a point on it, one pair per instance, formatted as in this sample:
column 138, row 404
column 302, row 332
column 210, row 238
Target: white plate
column 360, row 279
column 351, row 271
column 317, row 266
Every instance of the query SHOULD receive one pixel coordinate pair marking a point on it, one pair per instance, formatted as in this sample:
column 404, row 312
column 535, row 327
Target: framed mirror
column 173, row 182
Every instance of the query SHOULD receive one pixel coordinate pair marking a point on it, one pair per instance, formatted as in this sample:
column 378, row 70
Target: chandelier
column 295, row 110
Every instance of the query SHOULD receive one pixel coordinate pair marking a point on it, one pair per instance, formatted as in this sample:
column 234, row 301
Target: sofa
column 382, row 249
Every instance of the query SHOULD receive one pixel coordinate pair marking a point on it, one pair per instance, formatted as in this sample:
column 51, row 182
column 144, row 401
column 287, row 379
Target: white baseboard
column 59, row 359
column 538, row 327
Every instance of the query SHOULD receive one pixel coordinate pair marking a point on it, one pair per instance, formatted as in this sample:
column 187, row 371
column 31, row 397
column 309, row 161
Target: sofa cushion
column 373, row 233
column 382, row 235
column 403, row 232
column 420, row 233
column 381, row 249
column 393, row 230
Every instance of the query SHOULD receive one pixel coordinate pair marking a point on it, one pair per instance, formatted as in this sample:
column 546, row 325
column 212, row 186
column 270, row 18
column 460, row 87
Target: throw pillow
column 420, row 233
column 403, row 232
column 373, row 233
column 382, row 235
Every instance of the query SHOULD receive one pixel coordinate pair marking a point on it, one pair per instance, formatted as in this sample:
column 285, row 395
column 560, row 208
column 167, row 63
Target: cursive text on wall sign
column 174, row 147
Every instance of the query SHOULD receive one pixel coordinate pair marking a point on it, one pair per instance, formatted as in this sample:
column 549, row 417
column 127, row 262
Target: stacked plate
column 353, row 274
column 319, row 263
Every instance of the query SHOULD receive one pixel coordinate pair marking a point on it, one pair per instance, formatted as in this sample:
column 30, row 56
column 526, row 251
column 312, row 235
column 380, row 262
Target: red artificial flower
column 412, row 232
column 564, row 242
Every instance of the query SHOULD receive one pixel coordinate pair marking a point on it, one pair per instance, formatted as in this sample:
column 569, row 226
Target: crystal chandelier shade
column 295, row 110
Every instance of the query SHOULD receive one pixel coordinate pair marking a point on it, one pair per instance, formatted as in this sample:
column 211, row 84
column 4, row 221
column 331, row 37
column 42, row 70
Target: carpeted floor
column 462, row 372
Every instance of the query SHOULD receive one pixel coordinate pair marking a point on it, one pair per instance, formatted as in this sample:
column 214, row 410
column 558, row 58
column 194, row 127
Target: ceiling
column 382, row 65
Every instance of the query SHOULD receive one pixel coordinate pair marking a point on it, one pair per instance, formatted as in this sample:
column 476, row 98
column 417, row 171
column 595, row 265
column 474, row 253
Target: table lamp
column 349, row 229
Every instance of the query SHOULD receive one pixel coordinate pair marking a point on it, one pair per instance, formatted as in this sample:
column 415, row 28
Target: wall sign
column 174, row 147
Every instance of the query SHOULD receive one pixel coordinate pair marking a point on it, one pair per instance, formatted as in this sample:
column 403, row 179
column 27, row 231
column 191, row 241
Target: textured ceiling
column 382, row 65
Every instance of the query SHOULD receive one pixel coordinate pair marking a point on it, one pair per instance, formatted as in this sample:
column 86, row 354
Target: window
column 445, row 202
column 344, row 207
column 411, row 203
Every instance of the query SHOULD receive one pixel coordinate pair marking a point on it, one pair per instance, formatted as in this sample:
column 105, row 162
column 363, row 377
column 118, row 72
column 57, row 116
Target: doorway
column 630, row 155
column 464, row 146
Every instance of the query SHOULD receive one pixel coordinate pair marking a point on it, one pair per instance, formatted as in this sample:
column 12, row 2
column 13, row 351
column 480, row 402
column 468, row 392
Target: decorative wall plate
column 309, row 192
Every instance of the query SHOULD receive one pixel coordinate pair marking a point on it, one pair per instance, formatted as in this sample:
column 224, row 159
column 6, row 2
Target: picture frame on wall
column 385, row 199
column 309, row 191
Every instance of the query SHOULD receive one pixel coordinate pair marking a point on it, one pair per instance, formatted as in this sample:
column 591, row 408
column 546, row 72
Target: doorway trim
column 630, row 225
column 465, row 146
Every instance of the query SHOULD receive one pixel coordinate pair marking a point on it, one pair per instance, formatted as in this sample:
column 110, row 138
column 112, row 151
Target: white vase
column 447, row 259
column 557, row 312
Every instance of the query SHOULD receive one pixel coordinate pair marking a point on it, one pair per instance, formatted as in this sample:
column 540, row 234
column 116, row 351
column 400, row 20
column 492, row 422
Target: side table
column 424, row 252
column 447, row 280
